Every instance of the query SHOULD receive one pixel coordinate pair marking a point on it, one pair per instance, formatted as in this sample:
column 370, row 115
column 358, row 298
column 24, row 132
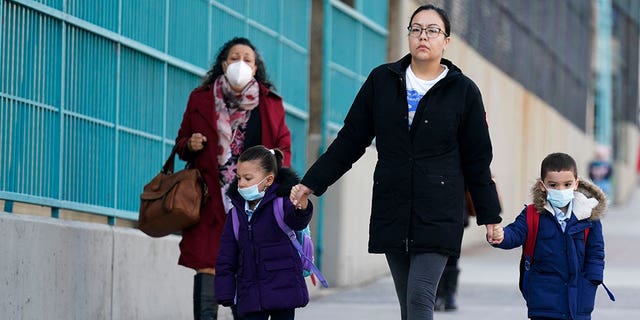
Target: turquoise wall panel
column 188, row 31
column 345, row 42
column 298, row 129
column 375, row 10
column 142, row 93
column 235, row 5
column 295, row 25
column 102, row 87
column 87, row 166
column 345, row 87
column 266, row 12
column 28, row 149
column 355, row 42
column 295, row 74
column 224, row 28
column 31, row 51
column 372, row 58
column 180, row 83
column 139, row 160
column 269, row 48
column 145, row 21
column 57, row 4
column 103, row 13
column 90, row 75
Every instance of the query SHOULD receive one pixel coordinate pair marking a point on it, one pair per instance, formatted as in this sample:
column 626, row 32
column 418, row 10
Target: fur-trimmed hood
column 589, row 202
column 286, row 179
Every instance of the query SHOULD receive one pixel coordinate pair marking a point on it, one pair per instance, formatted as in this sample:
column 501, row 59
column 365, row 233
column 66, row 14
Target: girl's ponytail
column 270, row 159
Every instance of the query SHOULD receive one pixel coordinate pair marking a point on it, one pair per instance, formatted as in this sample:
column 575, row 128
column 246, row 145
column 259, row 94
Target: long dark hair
column 216, row 69
column 443, row 15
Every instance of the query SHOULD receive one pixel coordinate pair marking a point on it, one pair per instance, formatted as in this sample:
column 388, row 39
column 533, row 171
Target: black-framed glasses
column 432, row 32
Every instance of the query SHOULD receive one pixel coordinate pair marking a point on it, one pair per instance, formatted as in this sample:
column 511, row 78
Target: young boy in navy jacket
column 566, row 268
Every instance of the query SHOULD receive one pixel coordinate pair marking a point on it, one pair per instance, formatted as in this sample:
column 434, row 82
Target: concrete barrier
column 61, row 269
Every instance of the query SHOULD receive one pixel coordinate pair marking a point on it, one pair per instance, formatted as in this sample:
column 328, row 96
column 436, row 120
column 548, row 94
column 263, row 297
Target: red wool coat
column 200, row 243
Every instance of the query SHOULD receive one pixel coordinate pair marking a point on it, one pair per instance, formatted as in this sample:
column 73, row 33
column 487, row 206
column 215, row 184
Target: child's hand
column 498, row 234
column 299, row 196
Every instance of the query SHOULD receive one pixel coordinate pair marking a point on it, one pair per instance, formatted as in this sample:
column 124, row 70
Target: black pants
column 416, row 277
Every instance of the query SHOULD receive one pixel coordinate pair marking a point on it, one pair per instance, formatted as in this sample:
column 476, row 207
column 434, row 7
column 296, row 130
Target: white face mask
column 559, row 198
column 251, row 193
column 239, row 74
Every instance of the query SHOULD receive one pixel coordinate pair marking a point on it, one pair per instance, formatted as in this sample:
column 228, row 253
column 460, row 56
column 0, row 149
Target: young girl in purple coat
column 261, row 271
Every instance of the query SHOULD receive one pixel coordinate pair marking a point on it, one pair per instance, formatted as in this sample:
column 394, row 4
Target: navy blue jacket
column 262, row 267
column 566, row 271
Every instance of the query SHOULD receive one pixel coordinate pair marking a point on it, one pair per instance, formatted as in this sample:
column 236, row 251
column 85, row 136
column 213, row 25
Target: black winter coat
column 421, row 173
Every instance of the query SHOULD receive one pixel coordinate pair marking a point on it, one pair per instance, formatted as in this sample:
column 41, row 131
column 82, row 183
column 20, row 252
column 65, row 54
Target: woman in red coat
column 232, row 110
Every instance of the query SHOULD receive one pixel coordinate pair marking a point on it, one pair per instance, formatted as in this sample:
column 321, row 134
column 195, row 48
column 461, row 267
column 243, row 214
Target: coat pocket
column 586, row 295
column 278, row 256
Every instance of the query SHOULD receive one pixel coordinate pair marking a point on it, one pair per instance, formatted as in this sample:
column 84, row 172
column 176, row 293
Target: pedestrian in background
column 233, row 109
column 600, row 169
column 432, row 140
column 566, row 268
column 260, row 268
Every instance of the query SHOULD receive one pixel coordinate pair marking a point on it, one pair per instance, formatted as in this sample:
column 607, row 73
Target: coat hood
column 589, row 202
column 287, row 178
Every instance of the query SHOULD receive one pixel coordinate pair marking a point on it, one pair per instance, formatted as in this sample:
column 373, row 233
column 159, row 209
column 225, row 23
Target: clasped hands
column 299, row 196
column 495, row 234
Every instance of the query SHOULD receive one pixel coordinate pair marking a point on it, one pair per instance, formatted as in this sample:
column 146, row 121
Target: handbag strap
column 168, row 166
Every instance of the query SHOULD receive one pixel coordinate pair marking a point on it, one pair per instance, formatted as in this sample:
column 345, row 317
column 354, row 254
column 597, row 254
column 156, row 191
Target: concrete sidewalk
column 489, row 281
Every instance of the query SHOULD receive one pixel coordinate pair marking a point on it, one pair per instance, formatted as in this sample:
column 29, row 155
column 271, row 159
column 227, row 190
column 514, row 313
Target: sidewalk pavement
column 488, row 287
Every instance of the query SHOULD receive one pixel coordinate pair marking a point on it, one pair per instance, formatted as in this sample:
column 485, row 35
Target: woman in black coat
column 432, row 139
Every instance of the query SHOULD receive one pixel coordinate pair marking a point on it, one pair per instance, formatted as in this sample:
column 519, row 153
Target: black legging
column 416, row 277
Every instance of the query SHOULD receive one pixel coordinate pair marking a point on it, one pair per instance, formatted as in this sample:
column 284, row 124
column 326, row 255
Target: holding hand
column 300, row 196
column 495, row 234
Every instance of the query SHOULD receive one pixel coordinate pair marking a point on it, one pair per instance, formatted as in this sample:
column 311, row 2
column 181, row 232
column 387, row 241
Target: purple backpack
column 301, row 240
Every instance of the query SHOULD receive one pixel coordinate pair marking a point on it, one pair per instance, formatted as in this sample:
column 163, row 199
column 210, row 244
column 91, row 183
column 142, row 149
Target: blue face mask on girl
column 252, row 193
column 559, row 198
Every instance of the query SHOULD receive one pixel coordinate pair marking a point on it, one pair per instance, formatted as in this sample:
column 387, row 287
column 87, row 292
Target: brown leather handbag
column 171, row 201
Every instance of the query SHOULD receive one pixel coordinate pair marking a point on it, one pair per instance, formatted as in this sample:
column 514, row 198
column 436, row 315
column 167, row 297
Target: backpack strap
column 533, row 219
column 586, row 234
column 279, row 214
column 235, row 221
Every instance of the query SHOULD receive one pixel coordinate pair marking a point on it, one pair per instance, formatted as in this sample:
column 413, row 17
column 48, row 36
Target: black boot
column 451, row 285
column 447, row 287
column 205, row 306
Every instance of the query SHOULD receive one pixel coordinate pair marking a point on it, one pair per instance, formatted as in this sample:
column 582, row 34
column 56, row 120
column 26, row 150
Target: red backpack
column 526, row 260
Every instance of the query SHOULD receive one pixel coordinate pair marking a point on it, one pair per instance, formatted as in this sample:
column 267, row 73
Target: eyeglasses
column 432, row 32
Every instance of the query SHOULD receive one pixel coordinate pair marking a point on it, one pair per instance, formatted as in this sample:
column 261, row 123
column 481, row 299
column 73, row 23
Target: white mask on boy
column 559, row 198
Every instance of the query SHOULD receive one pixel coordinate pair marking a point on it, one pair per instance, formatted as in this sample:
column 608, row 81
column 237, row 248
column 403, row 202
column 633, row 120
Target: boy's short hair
column 558, row 162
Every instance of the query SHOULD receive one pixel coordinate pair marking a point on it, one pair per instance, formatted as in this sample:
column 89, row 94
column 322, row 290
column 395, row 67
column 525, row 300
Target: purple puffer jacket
column 262, row 267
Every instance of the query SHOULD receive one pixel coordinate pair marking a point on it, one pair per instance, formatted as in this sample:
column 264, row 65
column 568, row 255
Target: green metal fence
column 92, row 92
